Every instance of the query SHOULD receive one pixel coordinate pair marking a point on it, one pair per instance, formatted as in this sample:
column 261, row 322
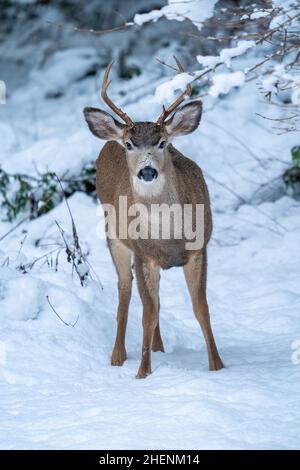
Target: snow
column 209, row 61
column 165, row 91
column 295, row 98
column 2, row 92
column 224, row 82
column 226, row 54
column 61, row 392
column 282, row 3
column 296, row 353
column 269, row 83
column 259, row 14
column 283, row 6
column 143, row 18
column 57, row 386
column 75, row 63
column 196, row 10
column 280, row 75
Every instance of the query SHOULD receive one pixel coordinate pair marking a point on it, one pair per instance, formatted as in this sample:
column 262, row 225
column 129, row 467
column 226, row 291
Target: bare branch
column 94, row 32
column 63, row 321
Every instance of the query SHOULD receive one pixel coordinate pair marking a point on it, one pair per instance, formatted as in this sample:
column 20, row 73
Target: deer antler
column 105, row 84
column 180, row 99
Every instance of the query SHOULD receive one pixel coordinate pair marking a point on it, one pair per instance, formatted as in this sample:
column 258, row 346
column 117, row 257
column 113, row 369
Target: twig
column 257, row 42
column 21, row 246
column 63, row 321
column 28, row 217
column 276, row 119
column 162, row 62
column 5, row 262
column 75, row 234
column 25, row 267
column 71, row 254
column 14, row 228
column 95, row 32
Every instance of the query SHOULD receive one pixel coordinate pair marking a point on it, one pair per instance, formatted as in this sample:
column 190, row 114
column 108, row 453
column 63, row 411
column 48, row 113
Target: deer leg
column 195, row 273
column 157, row 344
column 147, row 275
column 121, row 256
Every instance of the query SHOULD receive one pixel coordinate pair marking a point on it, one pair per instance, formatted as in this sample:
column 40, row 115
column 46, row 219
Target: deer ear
column 185, row 120
column 103, row 125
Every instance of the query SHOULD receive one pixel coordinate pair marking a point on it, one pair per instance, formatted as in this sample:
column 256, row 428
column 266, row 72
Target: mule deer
column 140, row 163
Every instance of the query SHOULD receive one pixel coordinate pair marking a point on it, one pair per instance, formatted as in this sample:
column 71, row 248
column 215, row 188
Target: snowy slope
column 57, row 388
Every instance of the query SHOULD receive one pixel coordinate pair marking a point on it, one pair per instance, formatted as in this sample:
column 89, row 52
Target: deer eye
column 128, row 146
column 162, row 144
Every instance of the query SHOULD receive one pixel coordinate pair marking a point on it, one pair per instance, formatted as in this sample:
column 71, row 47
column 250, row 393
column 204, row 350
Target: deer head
column 145, row 143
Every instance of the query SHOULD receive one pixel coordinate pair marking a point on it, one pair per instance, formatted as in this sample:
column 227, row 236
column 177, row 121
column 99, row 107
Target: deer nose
column 147, row 174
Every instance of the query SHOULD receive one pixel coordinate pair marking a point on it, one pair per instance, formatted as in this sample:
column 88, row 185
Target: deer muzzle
column 147, row 174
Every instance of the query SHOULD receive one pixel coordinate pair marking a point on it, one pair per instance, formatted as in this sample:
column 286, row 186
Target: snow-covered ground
column 57, row 387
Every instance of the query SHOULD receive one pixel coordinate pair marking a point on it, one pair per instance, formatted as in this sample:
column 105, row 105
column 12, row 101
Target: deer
column 139, row 162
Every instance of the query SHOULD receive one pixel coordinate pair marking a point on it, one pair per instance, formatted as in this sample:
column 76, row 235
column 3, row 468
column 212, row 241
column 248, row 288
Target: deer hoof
column 216, row 364
column 118, row 357
column 158, row 347
column 142, row 374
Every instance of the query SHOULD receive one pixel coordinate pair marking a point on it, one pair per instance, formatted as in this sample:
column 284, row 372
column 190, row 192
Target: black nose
column 147, row 174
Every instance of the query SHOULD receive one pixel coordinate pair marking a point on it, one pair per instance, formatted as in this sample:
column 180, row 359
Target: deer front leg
column 122, row 260
column 147, row 275
column 195, row 273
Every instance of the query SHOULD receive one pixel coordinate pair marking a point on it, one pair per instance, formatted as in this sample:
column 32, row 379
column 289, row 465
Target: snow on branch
column 196, row 11
column 274, row 43
column 224, row 82
column 226, row 55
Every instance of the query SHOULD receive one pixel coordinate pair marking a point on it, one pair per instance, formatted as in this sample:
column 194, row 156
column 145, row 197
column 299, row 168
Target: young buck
column 138, row 162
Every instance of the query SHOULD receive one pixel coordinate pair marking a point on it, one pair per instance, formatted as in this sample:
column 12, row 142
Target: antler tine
column 187, row 92
column 181, row 69
column 105, row 84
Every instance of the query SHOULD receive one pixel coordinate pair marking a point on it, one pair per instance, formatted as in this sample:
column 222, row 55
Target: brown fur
column 153, row 254
column 182, row 183
column 190, row 188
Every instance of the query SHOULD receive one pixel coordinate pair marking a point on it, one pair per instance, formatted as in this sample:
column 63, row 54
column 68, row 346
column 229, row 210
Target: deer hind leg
column 121, row 256
column 147, row 276
column 157, row 344
column 195, row 273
